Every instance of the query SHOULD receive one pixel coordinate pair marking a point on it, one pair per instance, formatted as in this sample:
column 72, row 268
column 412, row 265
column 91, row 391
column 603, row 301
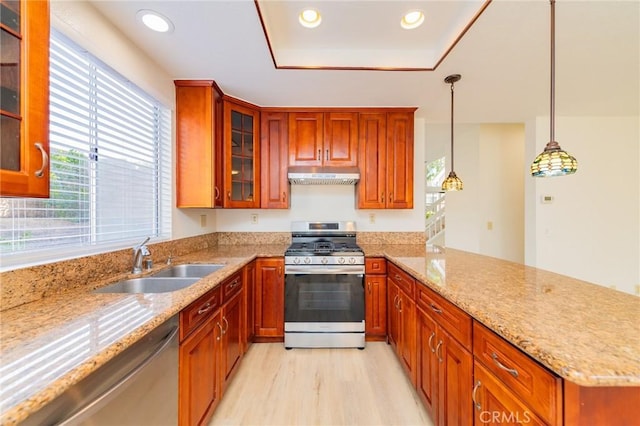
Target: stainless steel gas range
column 324, row 287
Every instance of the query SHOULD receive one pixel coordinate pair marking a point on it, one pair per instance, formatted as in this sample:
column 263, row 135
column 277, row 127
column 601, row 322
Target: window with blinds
column 110, row 150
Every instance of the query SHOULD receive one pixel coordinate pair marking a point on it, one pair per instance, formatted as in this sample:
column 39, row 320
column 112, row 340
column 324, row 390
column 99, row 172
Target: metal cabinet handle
column 205, row 308
column 221, row 331
column 473, row 396
column 438, row 352
column 391, row 196
column 382, row 197
column 433, row 334
column 369, row 285
column 234, row 284
column 226, row 328
column 284, row 196
column 512, row 371
column 327, row 155
column 436, row 309
column 399, row 303
column 216, row 192
column 229, row 195
column 45, row 160
column 319, row 155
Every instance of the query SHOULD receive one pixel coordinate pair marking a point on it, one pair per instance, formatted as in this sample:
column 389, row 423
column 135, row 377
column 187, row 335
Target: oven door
column 317, row 301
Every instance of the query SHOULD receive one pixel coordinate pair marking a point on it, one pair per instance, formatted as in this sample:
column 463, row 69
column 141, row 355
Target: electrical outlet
column 372, row 218
column 203, row 220
column 489, row 225
column 254, row 218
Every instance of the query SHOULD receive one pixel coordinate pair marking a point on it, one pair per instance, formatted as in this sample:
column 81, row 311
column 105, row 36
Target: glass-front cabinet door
column 242, row 173
column 24, row 98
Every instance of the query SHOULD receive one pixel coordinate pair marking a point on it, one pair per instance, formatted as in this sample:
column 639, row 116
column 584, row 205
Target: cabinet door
column 274, row 185
column 24, row 107
column 399, row 160
column 427, row 363
column 455, row 382
column 198, row 141
column 249, row 305
column 242, row 149
column 198, row 373
column 231, row 349
column 495, row 404
column 340, row 144
column 407, row 340
column 375, row 303
column 372, row 137
column 306, row 133
column 393, row 330
column 269, row 297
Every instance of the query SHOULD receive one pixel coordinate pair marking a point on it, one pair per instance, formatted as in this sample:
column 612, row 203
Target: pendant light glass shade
column 452, row 182
column 553, row 161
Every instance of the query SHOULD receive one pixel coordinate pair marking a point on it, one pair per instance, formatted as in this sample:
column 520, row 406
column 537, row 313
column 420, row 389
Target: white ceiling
column 503, row 57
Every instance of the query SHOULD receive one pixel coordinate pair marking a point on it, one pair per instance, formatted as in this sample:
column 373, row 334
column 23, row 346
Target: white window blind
column 110, row 149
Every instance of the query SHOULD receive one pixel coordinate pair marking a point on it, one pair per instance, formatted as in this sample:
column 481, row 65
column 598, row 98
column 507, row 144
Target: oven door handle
column 324, row 270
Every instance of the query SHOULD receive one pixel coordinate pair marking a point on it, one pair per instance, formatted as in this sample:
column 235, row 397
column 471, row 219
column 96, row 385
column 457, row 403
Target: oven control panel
column 324, row 260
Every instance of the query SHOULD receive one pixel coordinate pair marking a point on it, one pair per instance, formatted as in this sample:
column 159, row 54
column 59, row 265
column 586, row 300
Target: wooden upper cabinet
column 385, row 161
column 323, row 139
column 242, row 155
column 274, row 188
column 400, row 160
column 372, row 187
column 24, row 110
column 199, row 160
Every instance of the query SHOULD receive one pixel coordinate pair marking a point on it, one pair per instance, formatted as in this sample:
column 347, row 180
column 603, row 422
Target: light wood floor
column 320, row 387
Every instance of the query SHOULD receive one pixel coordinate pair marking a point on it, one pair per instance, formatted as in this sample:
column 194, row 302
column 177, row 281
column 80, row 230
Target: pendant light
column 553, row 161
column 452, row 182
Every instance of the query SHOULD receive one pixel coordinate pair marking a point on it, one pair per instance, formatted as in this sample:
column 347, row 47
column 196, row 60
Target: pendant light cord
column 452, row 168
column 553, row 71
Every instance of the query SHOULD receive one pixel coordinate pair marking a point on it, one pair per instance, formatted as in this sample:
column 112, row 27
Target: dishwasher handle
column 162, row 345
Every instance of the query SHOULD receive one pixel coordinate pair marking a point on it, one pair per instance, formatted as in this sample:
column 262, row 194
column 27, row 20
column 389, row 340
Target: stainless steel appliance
column 324, row 287
column 137, row 387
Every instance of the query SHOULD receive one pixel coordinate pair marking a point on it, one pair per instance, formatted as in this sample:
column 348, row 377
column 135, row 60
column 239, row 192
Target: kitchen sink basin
column 198, row 270
column 148, row 285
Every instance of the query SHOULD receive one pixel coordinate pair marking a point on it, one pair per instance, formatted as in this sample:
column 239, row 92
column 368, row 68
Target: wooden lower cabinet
column 248, row 326
column 401, row 327
column 375, row 298
column 444, row 374
column 231, row 347
column 269, row 298
column 199, row 383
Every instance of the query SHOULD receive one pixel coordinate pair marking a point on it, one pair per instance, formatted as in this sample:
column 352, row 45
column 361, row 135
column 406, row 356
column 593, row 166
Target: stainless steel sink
column 148, row 285
column 198, row 270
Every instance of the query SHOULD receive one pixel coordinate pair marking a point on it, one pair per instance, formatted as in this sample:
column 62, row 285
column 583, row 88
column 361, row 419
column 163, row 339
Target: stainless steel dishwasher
column 138, row 387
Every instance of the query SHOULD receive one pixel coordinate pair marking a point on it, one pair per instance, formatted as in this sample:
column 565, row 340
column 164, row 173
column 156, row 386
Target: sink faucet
column 139, row 252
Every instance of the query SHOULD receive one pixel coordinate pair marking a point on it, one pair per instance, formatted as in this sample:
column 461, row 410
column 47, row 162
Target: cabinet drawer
column 375, row 265
column 455, row 321
column 532, row 383
column 195, row 314
column 402, row 279
column 231, row 286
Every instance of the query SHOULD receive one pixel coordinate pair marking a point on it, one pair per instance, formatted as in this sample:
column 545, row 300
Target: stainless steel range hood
column 324, row 175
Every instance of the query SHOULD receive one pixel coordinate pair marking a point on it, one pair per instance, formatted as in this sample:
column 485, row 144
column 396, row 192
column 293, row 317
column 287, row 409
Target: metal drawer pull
column 205, row 308
column 473, row 396
column 438, row 352
column 433, row 334
column 436, row 309
column 226, row 328
column 216, row 192
column 234, row 284
column 319, row 155
column 221, row 331
column 327, row 155
column 45, row 160
column 513, row 371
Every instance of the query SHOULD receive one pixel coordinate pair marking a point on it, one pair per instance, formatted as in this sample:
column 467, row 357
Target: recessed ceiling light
column 412, row 20
column 155, row 21
column 310, row 18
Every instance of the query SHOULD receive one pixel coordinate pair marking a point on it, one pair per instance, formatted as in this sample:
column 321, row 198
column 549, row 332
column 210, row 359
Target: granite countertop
column 583, row 332
column 48, row 345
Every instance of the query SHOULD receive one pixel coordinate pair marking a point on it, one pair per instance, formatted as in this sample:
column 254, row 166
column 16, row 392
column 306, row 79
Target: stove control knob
column 352, row 260
column 324, row 260
column 307, row 260
column 296, row 260
column 341, row 260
